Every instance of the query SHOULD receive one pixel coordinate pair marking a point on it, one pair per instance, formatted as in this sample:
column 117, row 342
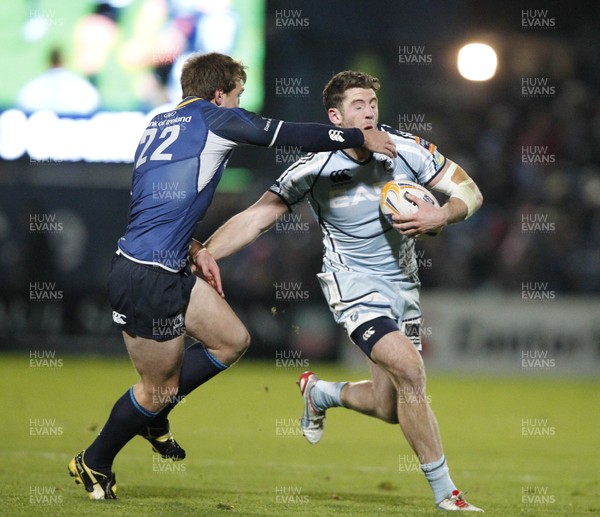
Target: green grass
column 241, row 455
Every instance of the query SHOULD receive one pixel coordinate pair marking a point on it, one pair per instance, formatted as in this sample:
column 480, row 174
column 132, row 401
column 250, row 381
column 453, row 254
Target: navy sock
column 198, row 367
column 126, row 419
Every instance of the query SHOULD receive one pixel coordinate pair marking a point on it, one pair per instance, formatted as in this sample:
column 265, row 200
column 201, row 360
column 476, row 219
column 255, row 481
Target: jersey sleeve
column 293, row 185
column 421, row 156
column 245, row 127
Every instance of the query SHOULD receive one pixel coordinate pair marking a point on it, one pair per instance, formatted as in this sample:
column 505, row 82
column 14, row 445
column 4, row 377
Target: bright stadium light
column 477, row 62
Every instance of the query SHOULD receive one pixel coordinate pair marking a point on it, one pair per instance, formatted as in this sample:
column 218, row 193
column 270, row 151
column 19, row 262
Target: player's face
column 359, row 109
column 232, row 99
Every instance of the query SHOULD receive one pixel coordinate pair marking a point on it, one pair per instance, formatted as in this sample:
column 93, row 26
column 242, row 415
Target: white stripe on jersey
column 211, row 157
column 276, row 133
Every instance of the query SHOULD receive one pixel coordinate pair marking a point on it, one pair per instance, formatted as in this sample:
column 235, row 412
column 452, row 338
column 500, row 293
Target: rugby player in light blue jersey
column 369, row 276
column 154, row 296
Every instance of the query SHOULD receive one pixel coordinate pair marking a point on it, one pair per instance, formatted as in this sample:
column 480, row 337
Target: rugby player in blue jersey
column 154, row 296
column 369, row 276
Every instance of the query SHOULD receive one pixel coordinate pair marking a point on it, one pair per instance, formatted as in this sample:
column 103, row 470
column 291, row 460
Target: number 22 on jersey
column 166, row 138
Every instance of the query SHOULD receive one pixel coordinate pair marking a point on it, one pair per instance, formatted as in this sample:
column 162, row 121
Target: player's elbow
column 472, row 197
column 478, row 199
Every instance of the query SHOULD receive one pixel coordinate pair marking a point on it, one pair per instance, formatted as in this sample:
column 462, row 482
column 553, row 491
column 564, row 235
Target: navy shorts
column 148, row 301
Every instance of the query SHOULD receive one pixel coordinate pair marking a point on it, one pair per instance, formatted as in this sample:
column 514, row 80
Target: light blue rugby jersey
column 344, row 197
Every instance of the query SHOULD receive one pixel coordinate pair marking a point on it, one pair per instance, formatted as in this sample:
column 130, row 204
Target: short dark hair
column 203, row 74
column 334, row 90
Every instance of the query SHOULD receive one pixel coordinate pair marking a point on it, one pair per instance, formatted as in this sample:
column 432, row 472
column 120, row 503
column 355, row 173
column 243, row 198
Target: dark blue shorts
column 149, row 301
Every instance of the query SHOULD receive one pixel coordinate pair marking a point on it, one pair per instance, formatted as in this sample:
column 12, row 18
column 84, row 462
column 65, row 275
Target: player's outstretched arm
column 464, row 200
column 245, row 227
column 318, row 137
column 246, row 127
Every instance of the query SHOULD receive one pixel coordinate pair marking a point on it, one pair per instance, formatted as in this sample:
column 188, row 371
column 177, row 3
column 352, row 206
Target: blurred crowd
column 537, row 162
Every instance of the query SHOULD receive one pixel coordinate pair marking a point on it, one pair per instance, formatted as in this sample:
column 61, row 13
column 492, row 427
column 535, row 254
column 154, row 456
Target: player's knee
column 243, row 343
column 410, row 373
column 236, row 347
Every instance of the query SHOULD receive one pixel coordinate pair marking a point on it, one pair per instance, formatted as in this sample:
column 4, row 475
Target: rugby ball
column 393, row 200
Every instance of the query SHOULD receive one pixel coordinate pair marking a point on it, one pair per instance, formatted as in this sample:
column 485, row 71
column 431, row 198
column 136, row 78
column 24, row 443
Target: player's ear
column 217, row 97
column 335, row 117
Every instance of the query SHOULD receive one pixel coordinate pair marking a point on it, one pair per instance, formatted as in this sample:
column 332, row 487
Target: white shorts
column 356, row 298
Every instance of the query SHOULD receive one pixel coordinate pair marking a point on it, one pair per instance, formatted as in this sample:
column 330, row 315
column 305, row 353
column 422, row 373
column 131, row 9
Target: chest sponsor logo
column 343, row 198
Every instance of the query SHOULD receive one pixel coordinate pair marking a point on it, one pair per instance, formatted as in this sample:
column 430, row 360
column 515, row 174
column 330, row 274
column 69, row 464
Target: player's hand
column 379, row 142
column 428, row 219
column 205, row 266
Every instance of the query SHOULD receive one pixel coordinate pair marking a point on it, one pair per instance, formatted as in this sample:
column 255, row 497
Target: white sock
column 437, row 473
column 327, row 394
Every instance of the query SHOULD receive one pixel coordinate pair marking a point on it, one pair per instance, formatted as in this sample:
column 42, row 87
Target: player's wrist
column 195, row 251
column 446, row 215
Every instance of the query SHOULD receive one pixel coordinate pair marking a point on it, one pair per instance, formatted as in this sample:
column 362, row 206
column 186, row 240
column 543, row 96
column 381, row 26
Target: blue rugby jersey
column 179, row 162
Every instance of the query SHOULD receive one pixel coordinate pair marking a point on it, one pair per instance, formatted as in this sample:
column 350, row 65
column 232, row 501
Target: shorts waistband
column 148, row 266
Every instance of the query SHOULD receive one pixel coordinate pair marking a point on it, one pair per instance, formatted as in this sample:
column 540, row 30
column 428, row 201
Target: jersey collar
column 188, row 100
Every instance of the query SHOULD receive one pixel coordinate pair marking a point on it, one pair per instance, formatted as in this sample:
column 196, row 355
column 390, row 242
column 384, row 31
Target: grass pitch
column 519, row 446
